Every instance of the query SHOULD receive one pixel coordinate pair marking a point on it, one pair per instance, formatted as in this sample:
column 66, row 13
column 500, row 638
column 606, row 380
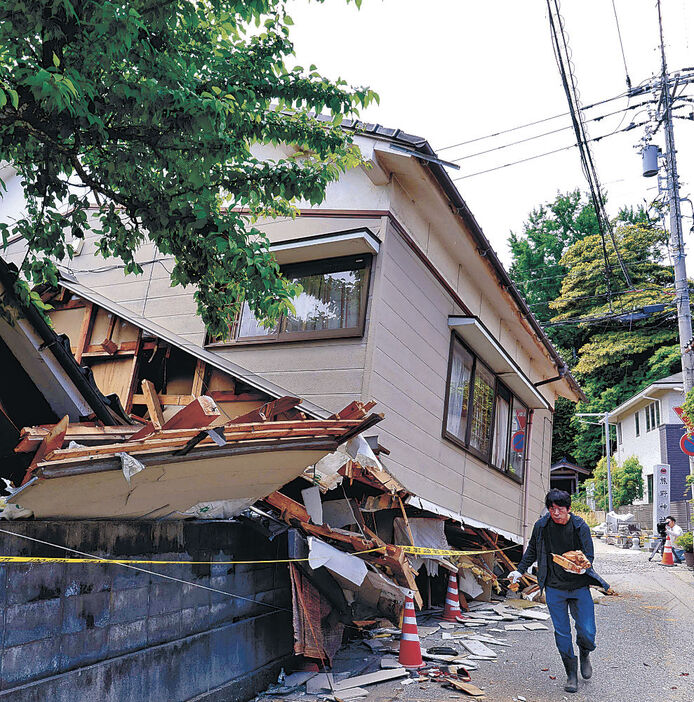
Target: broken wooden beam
column 153, row 405
column 198, row 414
column 52, row 440
column 268, row 411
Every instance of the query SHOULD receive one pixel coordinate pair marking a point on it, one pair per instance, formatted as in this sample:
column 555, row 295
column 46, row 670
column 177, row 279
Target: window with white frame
column 619, row 433
column 637, row 424
column 482, row 415
column 652, row 416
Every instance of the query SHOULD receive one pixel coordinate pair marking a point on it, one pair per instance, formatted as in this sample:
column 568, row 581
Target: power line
column 621, row 46
column 529, row 124
column 571, row 91
column 544, row 134
column 546, row 153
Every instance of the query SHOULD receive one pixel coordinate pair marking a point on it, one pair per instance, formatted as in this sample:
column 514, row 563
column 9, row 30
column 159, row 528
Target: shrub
column 685, row 542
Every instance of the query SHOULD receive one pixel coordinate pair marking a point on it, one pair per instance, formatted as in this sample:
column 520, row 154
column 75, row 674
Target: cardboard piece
column 370, row 679
column 477, row 648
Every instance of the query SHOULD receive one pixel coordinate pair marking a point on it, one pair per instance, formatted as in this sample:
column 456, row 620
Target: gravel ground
column 644, row 646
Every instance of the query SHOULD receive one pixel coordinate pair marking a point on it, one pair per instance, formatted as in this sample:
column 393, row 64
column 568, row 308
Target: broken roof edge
column 421, row 145
column 81, row 378
column 212, row 359
column 428, row 506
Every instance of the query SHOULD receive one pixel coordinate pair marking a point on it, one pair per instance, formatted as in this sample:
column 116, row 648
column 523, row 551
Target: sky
column 456, row 70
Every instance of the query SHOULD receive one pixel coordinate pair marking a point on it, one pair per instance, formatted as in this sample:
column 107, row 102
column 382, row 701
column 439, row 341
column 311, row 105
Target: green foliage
column 151, row 110
column 685, row 541
column 627, row 482
column 613, row 353
column 549, row 231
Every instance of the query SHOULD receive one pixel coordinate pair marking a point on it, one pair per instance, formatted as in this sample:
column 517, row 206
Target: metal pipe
column 607, row 458
column 526, row 478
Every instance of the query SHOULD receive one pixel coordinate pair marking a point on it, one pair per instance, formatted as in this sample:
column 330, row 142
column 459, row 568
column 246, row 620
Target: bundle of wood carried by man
column 573, row 561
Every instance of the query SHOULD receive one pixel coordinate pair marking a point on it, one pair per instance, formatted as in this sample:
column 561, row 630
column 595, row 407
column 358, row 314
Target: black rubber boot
column 571, row 667
column 586, row 666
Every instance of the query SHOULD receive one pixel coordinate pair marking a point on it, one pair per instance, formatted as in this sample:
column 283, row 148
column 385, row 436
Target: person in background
column 565, row 592
column 673, row 531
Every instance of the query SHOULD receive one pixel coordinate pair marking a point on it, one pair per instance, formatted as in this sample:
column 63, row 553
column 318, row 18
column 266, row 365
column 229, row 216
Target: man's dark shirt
column 560, row 538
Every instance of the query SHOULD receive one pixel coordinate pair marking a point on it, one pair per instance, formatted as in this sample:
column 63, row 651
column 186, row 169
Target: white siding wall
column 409, row 363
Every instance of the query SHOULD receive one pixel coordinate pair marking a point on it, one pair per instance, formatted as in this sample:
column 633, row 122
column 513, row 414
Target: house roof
column 211, row 359
column 420, row 146
column 671, row 382
column 565, row 464
column 48, row 360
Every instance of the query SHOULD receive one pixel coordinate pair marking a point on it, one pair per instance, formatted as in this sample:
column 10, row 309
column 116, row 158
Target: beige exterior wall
column 409, row 344
column 402, row 359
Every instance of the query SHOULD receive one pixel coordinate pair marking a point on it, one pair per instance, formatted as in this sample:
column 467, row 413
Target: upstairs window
column 637, row 426
column 332, row 303
column 482, row 415
column 652, row 416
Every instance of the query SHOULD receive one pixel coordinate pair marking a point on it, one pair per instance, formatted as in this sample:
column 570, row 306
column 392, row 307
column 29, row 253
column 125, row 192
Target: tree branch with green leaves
column 139, row 120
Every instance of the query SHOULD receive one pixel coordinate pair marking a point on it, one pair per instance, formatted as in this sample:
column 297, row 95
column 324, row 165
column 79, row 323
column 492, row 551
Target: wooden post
column 153, row 405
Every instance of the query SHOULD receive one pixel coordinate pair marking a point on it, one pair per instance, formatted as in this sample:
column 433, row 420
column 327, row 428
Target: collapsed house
column 241, row 444
column 406, row 307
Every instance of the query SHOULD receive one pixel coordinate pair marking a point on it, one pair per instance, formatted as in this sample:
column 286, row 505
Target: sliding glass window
column 482, row 415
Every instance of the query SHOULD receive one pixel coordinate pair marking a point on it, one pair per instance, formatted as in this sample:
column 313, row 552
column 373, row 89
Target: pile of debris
column 451, row 653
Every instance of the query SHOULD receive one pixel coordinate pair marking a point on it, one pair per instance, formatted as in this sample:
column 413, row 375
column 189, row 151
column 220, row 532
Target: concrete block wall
column 107, row 632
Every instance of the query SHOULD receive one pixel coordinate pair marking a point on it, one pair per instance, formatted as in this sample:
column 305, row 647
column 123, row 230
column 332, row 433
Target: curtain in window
column 248, row 326
column 328, row 301
column 459, row 392
column 519, row 419
column 482, row 405
column 500, row 452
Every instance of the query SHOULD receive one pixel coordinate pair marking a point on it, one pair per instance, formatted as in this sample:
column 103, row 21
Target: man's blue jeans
column 580, row 604
column 678, row 555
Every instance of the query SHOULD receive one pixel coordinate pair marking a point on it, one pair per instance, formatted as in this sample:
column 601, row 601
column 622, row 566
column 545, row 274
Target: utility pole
column 684, row 315
column 608, row 460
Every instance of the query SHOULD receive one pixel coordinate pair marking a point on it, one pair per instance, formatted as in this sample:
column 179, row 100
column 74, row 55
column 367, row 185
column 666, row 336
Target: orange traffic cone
column 451, row 612
column 668, row 560
column 410, row 650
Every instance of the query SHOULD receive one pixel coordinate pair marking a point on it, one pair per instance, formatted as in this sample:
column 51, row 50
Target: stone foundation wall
column 107, row 632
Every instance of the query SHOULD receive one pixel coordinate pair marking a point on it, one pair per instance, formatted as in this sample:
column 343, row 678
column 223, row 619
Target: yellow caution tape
column 420, row 551
column 414, row 550
column 127, row 561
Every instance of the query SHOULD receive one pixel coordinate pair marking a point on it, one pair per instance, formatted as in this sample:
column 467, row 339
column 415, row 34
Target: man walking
column 565, row 592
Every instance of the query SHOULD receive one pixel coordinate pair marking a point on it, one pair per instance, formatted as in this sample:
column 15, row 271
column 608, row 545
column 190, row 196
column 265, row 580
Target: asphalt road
column 645, row 644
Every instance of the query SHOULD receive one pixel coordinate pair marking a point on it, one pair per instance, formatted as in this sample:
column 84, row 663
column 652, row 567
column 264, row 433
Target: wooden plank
column 216, row 395
column 134, row 373
column 53, row 440
column 467, row 688
column 85, row 330
column 153, row 404
column 354, row 410
column 200, row 413
column 407, row 521
column 501, row 554
column 268, row 411
column 31, row 437
column 179, row 400
column 199, row 378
